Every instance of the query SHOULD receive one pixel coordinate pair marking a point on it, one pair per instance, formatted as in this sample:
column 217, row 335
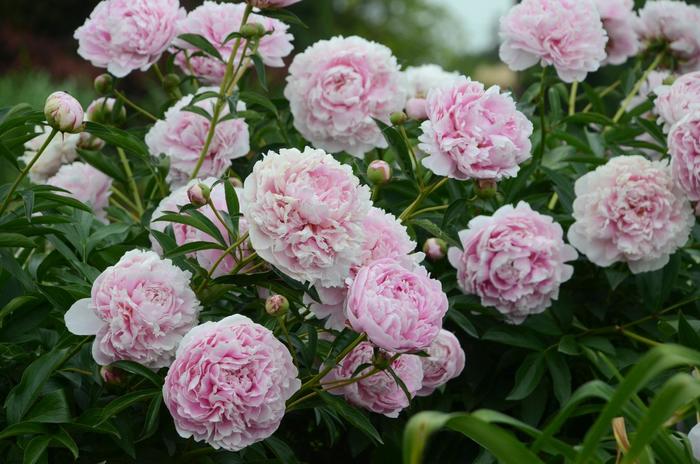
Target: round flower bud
column 276, row 305
column 112, row 376
column 398, row 118
column 199, row 194
column 416, row 109
column 379, row 172
column 171, row 82
column 435, row 248
column 103, row 84
column 486, row 188
column 103, row 111
column 251, row 30
column 64, row 113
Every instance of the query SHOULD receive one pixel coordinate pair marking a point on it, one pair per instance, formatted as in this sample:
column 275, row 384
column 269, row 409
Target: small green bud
column 398, row 118
column 252, row 30
column 379, row 172
column 104, row 84
column 199, row 194
column 276, row 305
column 486, row 188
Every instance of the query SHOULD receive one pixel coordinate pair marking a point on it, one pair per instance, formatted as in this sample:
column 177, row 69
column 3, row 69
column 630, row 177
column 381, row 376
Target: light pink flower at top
column 473, row 133
column 124, row 35
column 684, row 147
column 62, row 149
column 305, row 212
column 630, row 210
column 399, row 307
column 182, row 134
column 380, row 392
column 215, row 22
column 419, row 80
column 673, row 22
column 445, row 361
column 229, row 383
column 621, row 23
column 139, row 310
column 567, row 34
column 513, row 260
column 272, row 3
column 335, row 88
column 85, row 183
column 675, row 101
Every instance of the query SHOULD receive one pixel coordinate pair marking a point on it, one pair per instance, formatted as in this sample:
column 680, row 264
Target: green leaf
column 64, row 439
column 434, row 230
column 36, row 449
column 528, row 377
column 150, row 425
column 351, row 414
column 52, row 408
column 463, row 322
column 197, row 110
column 125, row 401
column 232, row 205
column 119, row 138
column 23, row 428
column 15, row 304
column 687, row 335
column 102, row 163
column 8, row 240
column 281, row 450
column 561, row 375
column 397, row 142
column 515, row 337
column 137, row 369
column 252, row 98
column 260, row 70
column 201, row 43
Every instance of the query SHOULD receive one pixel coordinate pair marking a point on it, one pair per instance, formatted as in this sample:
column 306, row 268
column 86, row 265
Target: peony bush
column 334, row 264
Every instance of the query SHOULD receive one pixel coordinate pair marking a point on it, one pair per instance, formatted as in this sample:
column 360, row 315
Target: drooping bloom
column 380, row 392
column 229, row 383
column 566, row 34
column 684, row 147
column 182, row 134
column 675, row 101
column 445, row 361
column 474, row 133
column 419, row 80
column 85, row 183
column 139, row 310
column 305, row 212
column 61, row 150
column 621, row 23
column 335, row 88
column 64, row 113
column 215, row 22
column 630, row 210
column 514, row 260
column 124, row 35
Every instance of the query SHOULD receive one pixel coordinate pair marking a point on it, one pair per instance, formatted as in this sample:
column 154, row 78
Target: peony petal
column 81, row 318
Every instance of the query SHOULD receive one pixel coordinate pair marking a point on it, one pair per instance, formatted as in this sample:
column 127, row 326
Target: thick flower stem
column 603, row 93
column 225, row 83
column 292, row 350
column 23, row 173
column 315, row 379
column 132, row 181
column 133, row 105
column 543, row 119
column 637, row 86
column 216, row 264
column 421, row 196
column 572, row 98
column 220, row 219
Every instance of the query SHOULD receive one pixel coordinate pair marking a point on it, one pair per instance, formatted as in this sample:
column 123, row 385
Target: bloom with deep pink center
column 444, row 362
column 85, row 183
column 139, row 310
column 675, row 101
column 684, row 147
column 630, row 210
column 474, row 133
column 229, row 383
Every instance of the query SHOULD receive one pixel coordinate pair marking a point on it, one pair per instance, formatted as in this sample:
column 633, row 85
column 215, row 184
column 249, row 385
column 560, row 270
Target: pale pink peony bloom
column 399, row 307
column 64, row 113
column 182, row 134
column 675, row 101
column 445, row 361
column 419, row 80
column 139, row 310
column 62, row 149
column 684, row 147
column 384, row 237
column 305, row 212
column 229, row 383
column 630, row 210
column 473, row 133
column 513, row 260
column 675, row 23
column 567, row 34
column 335, row 88
column 85, row 183
column 124, row 35
column 215, row 22
column 621, row 23
column 380, row 392
column 272, row 3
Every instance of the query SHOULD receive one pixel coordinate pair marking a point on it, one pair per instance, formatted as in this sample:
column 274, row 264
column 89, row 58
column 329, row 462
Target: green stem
column 543, row 120
column 429, row 210
column 23, row 173
column 637, row 86
column 603, row 93
column 572, row 98
column 220, row 219
column 638, row 338
column 133, row 105
column 292, row 350
column 315, row 379
column 158, row 72
column 421, row 196
column 132, row 181
column 412, row 154
column 218, row 261
column 243, row 263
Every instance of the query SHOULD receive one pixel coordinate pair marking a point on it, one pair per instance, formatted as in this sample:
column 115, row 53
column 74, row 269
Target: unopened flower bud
column 251, row 30
column 87, row 141
column 416, row 108
column 106, row 111
column 398, row 118
column 199, row 194
column 112, row 376
column 435, row 248
column 486, row 188
column 171, row 82
column 103, row 84
column 379, row 172
column 276, row 305
column 670, row 80
column 64, row 113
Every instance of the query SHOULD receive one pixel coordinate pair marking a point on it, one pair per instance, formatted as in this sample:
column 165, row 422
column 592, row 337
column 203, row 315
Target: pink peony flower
column 229, row 383
column 445, row 362
column 399, row 308
column 272, row 3
column 61, row 150
column 513, row 260
column 305, row 212
column 384, row 237
column 124, row 35
column 674, row 23
column 419, row 80
column 335, row 88
column 139, row 310
column 380, row 392
column 567, row 34
column 675, row 101
column 182, row 134
column 630, row 210
column 621, row 24
column 684, row 147
column 215, row 22
column 474, row 133
column 64, row 113
column 85, row 183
